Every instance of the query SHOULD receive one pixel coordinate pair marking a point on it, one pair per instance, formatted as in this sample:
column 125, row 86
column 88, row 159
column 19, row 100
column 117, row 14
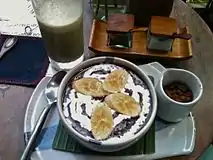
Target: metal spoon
column 7, row 45
column 51, row 96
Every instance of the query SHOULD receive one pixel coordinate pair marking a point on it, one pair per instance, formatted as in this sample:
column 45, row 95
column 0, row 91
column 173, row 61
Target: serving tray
column 183, row 133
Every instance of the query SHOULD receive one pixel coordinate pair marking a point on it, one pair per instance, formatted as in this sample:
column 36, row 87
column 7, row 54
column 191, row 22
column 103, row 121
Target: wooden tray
column 182, row 49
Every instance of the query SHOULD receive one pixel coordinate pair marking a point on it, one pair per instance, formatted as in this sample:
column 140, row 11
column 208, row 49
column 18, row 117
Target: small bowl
column 104, row 146
column 169, row 109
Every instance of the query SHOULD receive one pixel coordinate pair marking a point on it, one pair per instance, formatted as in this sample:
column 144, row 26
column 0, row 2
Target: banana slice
column 89, row 86
column 115, row 81
column 101, row 121
column 124, row 104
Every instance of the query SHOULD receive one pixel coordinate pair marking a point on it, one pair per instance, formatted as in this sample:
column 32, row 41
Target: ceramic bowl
column 103, row 146
column 169, row 109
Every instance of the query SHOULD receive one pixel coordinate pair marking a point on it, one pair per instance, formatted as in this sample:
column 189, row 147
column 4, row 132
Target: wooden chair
column 207, row 14
column 209, row 4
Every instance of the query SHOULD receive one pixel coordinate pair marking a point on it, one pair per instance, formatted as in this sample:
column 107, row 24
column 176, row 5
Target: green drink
column 61, row 26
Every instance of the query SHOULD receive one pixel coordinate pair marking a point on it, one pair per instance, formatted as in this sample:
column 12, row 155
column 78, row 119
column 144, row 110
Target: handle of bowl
column 154, row 71
column 158, row 66
column 160, row 69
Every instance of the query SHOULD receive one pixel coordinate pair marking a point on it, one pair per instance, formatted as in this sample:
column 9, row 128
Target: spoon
column 7, row 45
column 50, row 91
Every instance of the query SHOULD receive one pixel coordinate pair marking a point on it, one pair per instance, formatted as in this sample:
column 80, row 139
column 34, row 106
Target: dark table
column 13, row 99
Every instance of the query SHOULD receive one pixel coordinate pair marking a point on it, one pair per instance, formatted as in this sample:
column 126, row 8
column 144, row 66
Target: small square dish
column 120, row 40
column 160, row 33
column 119, row 28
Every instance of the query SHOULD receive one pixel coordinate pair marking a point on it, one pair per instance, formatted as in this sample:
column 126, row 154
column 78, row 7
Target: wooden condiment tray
column 182, row 49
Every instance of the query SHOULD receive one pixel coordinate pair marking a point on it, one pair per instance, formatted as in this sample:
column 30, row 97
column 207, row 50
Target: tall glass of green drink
column 61, row 26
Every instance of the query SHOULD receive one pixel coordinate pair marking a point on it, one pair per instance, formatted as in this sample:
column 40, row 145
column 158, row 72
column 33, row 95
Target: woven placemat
column 64, row 142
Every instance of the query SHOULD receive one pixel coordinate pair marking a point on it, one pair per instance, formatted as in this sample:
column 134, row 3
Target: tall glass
column 61, row 26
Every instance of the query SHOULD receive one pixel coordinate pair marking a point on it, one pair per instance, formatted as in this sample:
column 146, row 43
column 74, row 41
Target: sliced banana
column 124, row 104
column 89, row 86
column 115, row 81
column 101, row 121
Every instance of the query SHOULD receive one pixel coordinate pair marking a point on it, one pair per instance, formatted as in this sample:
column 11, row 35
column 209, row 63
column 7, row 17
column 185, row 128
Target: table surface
column 13, row 99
